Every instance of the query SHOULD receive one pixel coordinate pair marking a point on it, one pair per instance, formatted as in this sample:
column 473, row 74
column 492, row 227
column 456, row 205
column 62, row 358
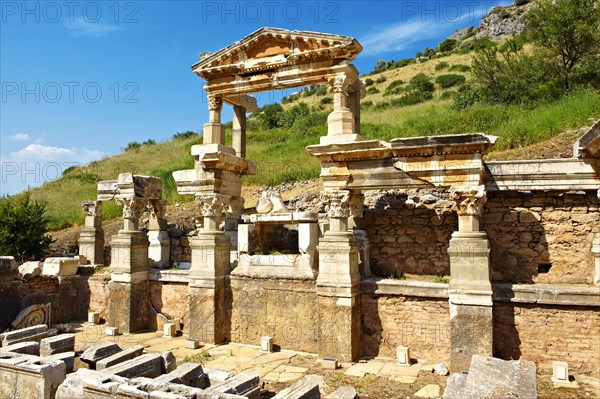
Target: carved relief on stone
column 92, row 208
column 271, row 202
column 215, row 102
column 357, row 203
column 339, row 84
column 337, row 203
column 469, row 199
column 132, row 207
column 157, row 209
column 235, row 208
column 212, row 205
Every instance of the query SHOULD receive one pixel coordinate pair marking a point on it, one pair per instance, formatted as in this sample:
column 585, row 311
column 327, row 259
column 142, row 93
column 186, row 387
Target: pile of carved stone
column 36, row 365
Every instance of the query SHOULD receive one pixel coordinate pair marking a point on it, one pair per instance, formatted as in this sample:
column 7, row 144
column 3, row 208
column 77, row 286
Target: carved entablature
column 212, row 205
column 273, row 58
column 92, row 208
column 337, row 203
column 469, row 199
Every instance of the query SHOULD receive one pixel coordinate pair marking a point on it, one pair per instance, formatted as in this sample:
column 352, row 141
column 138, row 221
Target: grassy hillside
column 279, row 152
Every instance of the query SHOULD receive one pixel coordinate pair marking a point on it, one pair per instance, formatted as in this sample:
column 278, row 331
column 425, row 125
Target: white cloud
column 81, row 27
column 401, row 36
column 20, row 137
column 50, row 153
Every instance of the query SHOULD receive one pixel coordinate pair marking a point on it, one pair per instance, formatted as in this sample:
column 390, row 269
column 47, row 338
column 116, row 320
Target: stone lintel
column 547, row 294
column 381, row 286
column 129, row 277
column 220, row 157
column 175, row 276
column 351, row 151
column 550, row 174
column 242, row 100
column 477, row 143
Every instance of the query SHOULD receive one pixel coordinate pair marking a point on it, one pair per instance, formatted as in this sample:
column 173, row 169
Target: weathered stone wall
column 171, row 300
column 283, row 309
column 528, row 231
column 99, row 293
column 543, row 333
column 40, row 284
column 410, row 236
column 392, row 320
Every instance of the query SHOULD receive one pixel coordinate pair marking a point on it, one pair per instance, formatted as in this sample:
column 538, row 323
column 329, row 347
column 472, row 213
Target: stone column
column 470, row 288
column 160, row 243
column 91, row 238
column 596, row 253
column 341, row 126
column 214, row 131
column 210, row 265
column 238, row 141
column 355, row 223
column 128, row 301
column 233, row 215
column 338, row 283
column 354, row 96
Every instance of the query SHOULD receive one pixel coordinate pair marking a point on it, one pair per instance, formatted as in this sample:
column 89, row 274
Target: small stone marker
column 329, row 363
column 112, row 331
column 192, row 343
column 403, row 356
column 441, row 369
column 169, row 330
column 560, row 371
column 266, row 344
column 94, row 317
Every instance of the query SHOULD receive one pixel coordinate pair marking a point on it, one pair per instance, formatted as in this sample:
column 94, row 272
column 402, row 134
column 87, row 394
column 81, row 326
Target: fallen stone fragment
column 98, row 352
column 120, row 357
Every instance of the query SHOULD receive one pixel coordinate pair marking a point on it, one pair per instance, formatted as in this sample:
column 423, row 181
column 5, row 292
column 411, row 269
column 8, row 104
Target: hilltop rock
column 503, row 22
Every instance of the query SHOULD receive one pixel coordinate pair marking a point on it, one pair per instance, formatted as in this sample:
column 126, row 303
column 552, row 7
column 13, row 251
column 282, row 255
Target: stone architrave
column 338, row 283
column 470, row 289
column 210, row 264
column 129, row 307
column 91, row 238
column 159, row 249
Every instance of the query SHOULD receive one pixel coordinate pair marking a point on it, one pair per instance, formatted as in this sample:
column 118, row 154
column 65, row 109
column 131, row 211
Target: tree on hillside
column 23, row 228
column 567, row 32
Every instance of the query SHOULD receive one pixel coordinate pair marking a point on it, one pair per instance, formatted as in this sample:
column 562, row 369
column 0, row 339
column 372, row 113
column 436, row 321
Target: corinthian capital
column 212, row 205
column 337, row 202
column 339, row 84
column 215, row 102
column 92, row 208
column 469, row 199
column 131, row 206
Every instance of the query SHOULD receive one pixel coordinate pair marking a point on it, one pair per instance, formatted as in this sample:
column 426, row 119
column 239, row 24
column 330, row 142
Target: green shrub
column 421, row 82
column 412, row 98
column 184, row 135
column 441, row 65
column 394, row 87
column 322, row 91
column 519, row 3
column 381, row 79
column 447, row 94
column 133, row 145
column 366, row 104
column 149, row 142
column 450, row 80
column 466, row 99
column 372, row 90
column 460, row 68
column 447, row 45
column 326, row 100
column 23, row 228
column 369, row 82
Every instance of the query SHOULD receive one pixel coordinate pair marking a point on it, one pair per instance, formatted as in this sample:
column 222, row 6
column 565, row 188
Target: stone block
column 148, row 365
column 192, row 343
column 217, row 376
column 266, row 344
column 560, row 371
column 8, row 268
column 170, row 330
column 403, row 356
column 33, row 333
column 112, row 331
column 169, row 362
column 58, row 344
column 120, row 357
column 190, row 374
column 24, row 377
column 75, row 384
column 94, row 317
column 328, row 363
column 344, row 393
column 30, row 270
column 98, row 352
column 67, row 357
column 60, row 266
column 247, row 238
column 245, row 384
column 26, row 348
column 306, row 388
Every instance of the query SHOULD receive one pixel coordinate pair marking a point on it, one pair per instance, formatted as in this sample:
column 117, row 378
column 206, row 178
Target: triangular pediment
column 271, row 48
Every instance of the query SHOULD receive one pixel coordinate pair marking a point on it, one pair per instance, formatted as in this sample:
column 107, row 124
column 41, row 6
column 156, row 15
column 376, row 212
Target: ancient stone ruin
column 519, row 240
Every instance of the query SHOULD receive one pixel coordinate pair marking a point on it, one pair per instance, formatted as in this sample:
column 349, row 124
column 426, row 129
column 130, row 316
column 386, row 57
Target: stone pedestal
column 338, row 283
column 210, row 264
column 470, row 288
column 91, row 238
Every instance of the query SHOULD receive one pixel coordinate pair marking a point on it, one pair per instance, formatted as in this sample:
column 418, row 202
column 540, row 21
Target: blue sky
column 79, row 80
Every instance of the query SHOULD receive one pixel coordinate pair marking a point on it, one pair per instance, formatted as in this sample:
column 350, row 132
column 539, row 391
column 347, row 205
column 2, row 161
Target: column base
column 129, row 308
column 209, row 320
column 129, row 252
column 91, row 245
column 210, row 255
column 471, row 333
